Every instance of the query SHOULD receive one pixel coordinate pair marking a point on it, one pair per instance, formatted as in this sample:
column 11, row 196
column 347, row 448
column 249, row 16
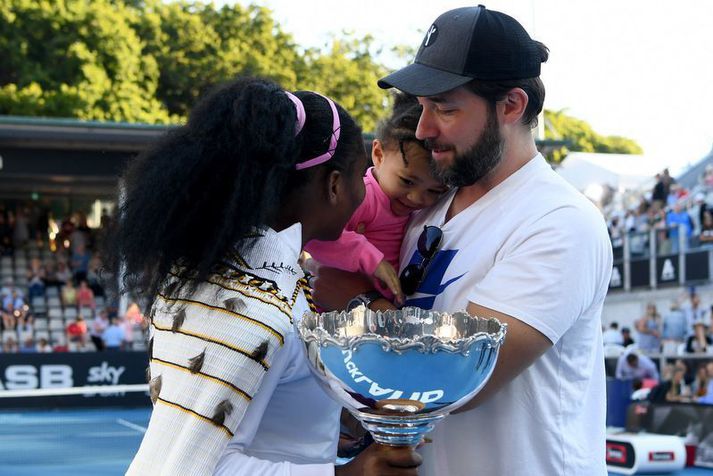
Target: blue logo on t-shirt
column 432, row 283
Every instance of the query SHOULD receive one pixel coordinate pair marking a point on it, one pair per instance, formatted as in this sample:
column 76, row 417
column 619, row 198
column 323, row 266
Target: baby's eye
column 406, row 181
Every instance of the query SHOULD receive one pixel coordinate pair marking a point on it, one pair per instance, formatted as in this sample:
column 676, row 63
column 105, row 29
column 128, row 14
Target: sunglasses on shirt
column 428, row 244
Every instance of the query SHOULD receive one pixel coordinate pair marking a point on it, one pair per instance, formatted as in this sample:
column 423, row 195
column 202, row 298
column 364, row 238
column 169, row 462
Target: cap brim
column 420, row 80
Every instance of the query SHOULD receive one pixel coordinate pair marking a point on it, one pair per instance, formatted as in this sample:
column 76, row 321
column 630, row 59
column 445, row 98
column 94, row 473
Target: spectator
column 674, row 328
column 80, row 263
column 9, row 345
column 13, row 308
column 659, row 194
column 36, row 277
column 94, row 276
column 708, row 397
column 99, row 324
column 696, row 212
column 632, row 365
column 706, row 236
column 25, row 326
column 113, row 335
column 28, row 346
column 675, row 218
column 77, row 332
column 626, row 337
column 648, row 328
column 699, row 387
column 43, row 347
column 63, row 274
column 85, row 296
column 678, row 391
column 696, row 313
column 612, row 335
column 69, row 294
column 700, row 342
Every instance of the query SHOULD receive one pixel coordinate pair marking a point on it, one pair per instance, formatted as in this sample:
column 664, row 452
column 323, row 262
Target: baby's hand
column 386, row 273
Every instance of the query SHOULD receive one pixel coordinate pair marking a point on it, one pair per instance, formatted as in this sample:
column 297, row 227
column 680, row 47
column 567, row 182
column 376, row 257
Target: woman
column 649, row 329
column 213, row 223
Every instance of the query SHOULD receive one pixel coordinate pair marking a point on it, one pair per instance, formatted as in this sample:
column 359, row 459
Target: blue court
column 70, row 442
column 90, row 442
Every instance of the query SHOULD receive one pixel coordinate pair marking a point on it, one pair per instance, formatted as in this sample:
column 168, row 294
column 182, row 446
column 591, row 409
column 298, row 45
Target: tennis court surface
column 96, row 442
column 70, row 442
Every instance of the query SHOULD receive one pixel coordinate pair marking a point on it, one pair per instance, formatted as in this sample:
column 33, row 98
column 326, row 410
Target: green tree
column 75, row 58
column 582, row 138
column 348, row 74
column 149, row 60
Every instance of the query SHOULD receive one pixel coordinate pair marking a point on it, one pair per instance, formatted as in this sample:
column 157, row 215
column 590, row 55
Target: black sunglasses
column 428, row 244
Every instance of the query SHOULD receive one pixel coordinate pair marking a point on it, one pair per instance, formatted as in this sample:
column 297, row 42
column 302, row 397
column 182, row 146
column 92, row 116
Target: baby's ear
column 377, row 153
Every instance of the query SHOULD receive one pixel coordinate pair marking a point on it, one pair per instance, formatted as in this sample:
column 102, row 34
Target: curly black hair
column 401, row 126
column 192, row 197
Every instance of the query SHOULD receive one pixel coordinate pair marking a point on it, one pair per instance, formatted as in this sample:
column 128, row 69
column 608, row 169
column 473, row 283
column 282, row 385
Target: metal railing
column 657, row 258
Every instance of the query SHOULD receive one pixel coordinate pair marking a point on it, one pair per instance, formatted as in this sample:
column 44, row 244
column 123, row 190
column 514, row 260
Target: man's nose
column 426, row 127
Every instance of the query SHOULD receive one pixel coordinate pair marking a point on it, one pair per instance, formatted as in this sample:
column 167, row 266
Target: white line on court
column 133, row 426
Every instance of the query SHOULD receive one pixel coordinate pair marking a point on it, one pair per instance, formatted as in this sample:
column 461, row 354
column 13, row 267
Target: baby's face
column 408, row 183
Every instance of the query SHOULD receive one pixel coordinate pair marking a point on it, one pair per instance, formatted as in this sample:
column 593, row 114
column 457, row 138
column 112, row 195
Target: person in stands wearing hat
column 518, row 244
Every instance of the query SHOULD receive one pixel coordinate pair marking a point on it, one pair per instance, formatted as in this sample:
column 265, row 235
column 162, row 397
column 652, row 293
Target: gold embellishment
column 155, row 389
column 226, row 311
column 279, row 302
column 196, row 414
column 196, row 363
column 206, row 338
column 223, row 409
column 178, row 319
column 218, row 380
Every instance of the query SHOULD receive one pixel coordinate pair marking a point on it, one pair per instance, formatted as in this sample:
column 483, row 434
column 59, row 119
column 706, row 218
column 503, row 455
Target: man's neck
column 515, row 155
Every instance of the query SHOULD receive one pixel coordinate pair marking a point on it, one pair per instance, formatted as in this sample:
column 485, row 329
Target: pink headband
column 334, row 138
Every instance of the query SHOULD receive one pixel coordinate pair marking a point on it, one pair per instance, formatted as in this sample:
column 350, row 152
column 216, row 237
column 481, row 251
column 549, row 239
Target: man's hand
column 334, row 288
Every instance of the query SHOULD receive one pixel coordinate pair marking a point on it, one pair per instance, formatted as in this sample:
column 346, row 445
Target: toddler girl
column 399, row 183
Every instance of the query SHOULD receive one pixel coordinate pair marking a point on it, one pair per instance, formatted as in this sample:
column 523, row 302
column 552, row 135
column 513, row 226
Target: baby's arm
column 351, row 252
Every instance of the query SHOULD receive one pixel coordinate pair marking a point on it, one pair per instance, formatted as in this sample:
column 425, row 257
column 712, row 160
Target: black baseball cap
column 464, row 44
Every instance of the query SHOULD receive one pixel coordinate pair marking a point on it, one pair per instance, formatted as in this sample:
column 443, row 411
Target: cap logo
column 431, row 36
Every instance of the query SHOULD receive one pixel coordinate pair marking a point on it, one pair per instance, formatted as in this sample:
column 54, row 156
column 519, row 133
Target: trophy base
column 398, row 429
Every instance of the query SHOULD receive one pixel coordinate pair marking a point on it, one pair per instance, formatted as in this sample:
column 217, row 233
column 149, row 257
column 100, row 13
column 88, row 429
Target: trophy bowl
column 399, row 372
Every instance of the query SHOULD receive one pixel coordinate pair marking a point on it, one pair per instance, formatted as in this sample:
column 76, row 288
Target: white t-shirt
column 535, row 249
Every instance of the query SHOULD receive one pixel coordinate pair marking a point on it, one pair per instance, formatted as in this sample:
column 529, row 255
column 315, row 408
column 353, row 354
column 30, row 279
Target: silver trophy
column 399, row 372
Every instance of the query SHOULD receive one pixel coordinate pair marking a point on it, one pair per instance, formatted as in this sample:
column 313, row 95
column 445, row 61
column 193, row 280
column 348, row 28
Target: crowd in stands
column 54, row 297
column 682, row 332
column 676, row 214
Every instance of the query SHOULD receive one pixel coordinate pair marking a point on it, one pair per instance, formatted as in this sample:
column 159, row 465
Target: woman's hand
column 382, row 460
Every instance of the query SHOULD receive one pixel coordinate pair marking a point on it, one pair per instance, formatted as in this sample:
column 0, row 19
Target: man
column 612, row 335
column 519, row 244
column 626, row 338
column 634, row 366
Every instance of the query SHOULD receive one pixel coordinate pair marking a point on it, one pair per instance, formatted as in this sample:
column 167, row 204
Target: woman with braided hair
column 212, row 224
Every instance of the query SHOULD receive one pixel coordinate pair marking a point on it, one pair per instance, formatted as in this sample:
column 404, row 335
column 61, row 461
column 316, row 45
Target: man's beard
column 476, row 162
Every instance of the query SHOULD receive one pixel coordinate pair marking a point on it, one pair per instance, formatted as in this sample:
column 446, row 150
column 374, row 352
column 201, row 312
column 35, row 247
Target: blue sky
column 637, row 68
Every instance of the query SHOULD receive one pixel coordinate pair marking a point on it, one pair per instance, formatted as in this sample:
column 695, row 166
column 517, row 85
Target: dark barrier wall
column 61, row 370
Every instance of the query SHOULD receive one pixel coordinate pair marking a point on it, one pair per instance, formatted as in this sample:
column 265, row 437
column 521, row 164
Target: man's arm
column 523, row 343
column 522, row 347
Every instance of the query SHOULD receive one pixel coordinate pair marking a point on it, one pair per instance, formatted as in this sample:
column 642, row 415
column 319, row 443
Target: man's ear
column 377, row 152
column 513, row 106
